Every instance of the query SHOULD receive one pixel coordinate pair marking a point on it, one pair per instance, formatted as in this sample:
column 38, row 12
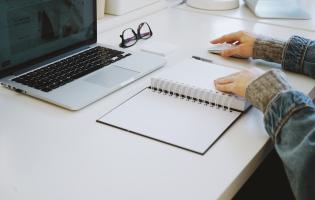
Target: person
column 289, row 115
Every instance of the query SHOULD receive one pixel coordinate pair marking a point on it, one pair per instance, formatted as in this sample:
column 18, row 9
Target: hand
column 238, row 82
column 244, row 41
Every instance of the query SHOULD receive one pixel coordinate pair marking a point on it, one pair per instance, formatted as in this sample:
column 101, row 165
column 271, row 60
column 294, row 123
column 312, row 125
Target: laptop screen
column 34, row 30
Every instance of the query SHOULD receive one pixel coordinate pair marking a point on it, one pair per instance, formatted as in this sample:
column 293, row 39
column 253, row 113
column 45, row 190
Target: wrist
column 263, row 89
column 268, row 49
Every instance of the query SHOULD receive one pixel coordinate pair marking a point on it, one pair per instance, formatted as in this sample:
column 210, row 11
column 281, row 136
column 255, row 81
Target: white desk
column 244, row 13
column 50, row 153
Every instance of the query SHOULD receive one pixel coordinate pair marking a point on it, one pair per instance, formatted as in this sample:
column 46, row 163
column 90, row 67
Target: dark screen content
column 30, row 29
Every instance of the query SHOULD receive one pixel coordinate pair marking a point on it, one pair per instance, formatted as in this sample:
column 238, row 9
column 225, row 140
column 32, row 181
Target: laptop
column 48, row 50
column 277, row 9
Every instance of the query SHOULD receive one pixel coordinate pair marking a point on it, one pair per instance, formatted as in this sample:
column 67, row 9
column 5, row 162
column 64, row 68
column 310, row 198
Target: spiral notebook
column 180, row 107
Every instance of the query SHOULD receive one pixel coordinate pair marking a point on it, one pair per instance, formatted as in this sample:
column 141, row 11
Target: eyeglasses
column 129, row 37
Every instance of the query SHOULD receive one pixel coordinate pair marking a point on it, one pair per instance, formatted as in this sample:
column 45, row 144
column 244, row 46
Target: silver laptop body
column 87, row 89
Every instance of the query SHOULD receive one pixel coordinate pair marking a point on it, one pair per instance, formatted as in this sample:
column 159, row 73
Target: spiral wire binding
column 187, row 94
column 169, row 87
column 205, row 97
column 223, row 99
column 216, row 99
column 209, row 97
column 180, row 91
column 202, row 91
column 164, row 85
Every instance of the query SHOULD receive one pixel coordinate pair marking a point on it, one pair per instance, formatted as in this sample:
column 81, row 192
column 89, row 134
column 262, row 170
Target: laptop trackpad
column 111, row 76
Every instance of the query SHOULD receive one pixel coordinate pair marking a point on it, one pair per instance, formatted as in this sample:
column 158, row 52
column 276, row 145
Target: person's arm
column 268, row 49
column 297, row 54
column 289, row 118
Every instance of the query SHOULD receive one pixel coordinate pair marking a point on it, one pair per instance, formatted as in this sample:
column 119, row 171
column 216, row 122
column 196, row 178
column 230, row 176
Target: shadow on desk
column 268, row 182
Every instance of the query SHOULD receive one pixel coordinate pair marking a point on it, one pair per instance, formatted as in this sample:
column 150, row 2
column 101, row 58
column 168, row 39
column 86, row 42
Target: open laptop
column 48, row 50
column 277, row 9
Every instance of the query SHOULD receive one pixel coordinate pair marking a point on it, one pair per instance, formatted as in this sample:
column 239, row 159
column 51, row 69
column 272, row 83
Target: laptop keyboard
column 62, row 72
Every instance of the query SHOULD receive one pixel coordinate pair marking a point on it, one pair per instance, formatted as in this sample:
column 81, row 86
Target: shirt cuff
column 262, row 90
column 294, row 54
column 268, row 49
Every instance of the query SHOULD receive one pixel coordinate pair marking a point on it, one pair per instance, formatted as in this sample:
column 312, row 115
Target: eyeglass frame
column 137, row 36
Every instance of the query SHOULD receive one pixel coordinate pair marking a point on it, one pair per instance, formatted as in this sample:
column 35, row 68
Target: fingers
column 226, row 79
column 231, row 52
column 229, row 38
column 227, row 83
column 225, row 87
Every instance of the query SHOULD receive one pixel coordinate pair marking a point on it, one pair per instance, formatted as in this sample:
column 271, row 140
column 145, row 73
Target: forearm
column 289, row 118
column 297, row 54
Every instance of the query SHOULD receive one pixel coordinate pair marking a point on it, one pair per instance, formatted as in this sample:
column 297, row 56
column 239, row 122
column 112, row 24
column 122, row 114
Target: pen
column 202, row 59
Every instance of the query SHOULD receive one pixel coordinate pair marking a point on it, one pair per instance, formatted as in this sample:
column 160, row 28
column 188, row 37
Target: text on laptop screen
column 30, row 29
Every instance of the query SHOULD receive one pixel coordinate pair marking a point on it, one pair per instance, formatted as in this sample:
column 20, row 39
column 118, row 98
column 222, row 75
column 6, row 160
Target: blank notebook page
column 196, row 73
column 175, row 121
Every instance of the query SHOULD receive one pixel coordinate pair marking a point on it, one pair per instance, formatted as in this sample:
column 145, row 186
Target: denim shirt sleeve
column 289, row 118
column 290, row 121
column 299, row 56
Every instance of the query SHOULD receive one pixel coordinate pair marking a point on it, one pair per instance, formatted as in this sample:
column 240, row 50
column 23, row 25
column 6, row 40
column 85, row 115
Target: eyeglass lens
column 144, row 31
column 129, row 37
